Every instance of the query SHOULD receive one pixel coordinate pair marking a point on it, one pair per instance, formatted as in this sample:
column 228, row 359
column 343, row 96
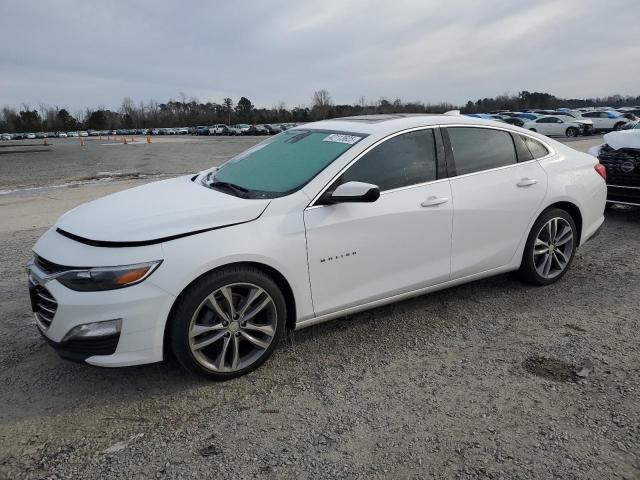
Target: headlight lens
column 107, row 278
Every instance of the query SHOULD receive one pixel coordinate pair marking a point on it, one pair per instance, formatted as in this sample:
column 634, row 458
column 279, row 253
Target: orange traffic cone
column 81, row 142
column 45, row 141
column 148, row 139
column 124, row 140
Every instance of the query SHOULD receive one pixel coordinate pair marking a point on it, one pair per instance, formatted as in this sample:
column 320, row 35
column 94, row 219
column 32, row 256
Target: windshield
column 281, row 164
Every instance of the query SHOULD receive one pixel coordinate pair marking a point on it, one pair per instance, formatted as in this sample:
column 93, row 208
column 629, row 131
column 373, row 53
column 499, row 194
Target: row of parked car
column 567, row 122
column 218, row 129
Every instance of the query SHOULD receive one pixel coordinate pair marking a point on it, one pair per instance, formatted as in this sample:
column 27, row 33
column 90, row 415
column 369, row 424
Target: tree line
column 188, row 112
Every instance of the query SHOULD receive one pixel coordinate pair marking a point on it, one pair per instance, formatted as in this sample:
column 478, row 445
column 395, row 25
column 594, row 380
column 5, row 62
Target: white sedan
column 554, row 126
column 320, row 221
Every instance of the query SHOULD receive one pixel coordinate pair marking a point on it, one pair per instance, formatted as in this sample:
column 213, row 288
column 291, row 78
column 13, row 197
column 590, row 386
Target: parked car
column 355, row 213
column 518, row 122
column 39, row 135
column 257, row 130
column 620, row 155
column 30, row 136
column 73, row 134
column 83, row 134
column 554, row 126
column 243, row 128
column 19, row 136
column 6, row 136
column 62, row 135
column 182, row 131
column 202, row 130
column 586, row 125
column 273, row 129
column 218, row 129
column 233, row 130
column 605, row 120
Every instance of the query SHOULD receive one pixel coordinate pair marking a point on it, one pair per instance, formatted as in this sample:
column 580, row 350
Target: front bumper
column 143, row 309
column 78, row 350
column 624, row 195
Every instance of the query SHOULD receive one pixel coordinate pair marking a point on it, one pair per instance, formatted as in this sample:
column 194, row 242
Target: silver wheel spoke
column 223, row 353
column 226, row 293
column 200, row 329
column 564, row 237
column 236, row 352
column 546, row 267
column 255, row 293
column 258, row 309
column 561, row 257
column 208, row 341
column 540, row 247
column 266, row 329
column 212, row 302
column 256, row 341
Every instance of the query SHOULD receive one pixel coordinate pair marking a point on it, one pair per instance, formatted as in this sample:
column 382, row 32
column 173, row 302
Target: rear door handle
column 433, row 201
column 527, row 182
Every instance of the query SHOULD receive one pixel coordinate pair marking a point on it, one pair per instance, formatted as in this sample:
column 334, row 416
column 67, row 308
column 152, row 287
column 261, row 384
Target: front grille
column 43, row 304
column 623, row 166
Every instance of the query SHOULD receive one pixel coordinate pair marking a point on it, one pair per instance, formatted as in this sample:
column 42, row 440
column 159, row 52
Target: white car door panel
column 495, row 198
column 492, row 212
column 360, row 252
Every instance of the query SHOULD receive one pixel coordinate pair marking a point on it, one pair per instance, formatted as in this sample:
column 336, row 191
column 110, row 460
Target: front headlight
column 107, row 278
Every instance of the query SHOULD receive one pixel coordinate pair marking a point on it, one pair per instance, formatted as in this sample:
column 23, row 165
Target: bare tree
column 321, row 104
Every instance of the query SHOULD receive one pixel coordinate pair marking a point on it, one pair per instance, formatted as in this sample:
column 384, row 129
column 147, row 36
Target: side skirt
column 402, row 296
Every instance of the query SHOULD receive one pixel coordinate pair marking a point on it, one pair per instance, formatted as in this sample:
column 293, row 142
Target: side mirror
column 352, row 192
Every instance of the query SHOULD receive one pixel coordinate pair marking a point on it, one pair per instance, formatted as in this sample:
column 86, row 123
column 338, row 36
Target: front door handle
column 433, row 201
column 527, row 182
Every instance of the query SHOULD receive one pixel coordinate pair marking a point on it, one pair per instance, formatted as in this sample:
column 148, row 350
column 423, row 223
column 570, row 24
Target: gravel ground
column 494, row 379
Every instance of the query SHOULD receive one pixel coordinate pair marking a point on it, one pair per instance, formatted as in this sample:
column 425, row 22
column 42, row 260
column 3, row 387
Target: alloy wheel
column 233, row 327
column 553, row 248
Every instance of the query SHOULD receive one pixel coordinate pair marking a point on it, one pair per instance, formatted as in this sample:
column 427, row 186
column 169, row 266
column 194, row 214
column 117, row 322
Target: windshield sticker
column 339, row 138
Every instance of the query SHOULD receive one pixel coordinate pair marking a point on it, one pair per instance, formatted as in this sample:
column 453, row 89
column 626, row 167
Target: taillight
column 601, row 171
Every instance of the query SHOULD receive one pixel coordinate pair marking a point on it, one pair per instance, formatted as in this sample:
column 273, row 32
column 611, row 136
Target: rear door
column 362, row 252
column 495, row 196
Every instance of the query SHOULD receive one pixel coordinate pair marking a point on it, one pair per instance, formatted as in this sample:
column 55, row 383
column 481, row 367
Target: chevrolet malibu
column 323, row 220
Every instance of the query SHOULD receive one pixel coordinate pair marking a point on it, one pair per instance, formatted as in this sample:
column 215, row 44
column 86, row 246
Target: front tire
column 550, row 248
column 228, row 323
column 572, row 132
column 618, row 126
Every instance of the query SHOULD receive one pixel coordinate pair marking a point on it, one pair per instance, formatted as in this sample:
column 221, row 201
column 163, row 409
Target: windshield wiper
column 240, row 191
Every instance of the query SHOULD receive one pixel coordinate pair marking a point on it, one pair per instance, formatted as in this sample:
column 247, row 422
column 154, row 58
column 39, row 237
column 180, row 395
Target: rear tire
column 228, row 323
column 550, row 248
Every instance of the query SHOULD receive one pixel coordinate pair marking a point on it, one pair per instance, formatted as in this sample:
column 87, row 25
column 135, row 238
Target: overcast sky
column 90, row 53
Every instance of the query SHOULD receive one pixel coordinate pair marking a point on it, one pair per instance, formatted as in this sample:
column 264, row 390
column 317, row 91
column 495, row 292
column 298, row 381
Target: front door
column 362, row 252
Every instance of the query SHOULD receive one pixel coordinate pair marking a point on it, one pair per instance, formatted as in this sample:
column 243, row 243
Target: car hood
column 623, row 139
column 156, row 212
column 584, row 121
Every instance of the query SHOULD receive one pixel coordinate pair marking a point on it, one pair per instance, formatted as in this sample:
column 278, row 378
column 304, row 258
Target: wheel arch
column 277, row 277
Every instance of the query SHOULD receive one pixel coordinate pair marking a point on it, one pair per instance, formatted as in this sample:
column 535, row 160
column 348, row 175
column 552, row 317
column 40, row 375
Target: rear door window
column 478, row 149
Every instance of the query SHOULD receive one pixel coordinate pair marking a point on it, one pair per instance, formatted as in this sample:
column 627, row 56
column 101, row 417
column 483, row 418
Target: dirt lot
column 493, row 379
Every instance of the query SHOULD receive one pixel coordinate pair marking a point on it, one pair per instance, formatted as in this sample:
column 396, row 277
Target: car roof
column 389, row 123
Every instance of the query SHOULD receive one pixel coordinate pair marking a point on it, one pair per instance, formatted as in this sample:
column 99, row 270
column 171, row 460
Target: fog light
column 94, row 330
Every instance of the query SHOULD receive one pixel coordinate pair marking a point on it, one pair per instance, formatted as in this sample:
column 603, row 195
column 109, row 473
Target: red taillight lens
column 601, row 171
